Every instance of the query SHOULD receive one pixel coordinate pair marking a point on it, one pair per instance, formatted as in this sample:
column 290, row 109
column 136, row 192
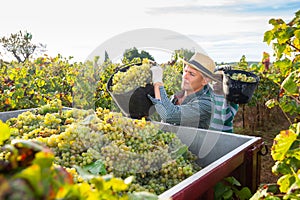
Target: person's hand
column 157, row 74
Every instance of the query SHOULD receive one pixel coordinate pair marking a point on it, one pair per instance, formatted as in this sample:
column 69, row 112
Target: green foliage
column 230, row 188
column 243, row 64
column 285, row 72
column 132, row 53
column 96, row 167
column 38, row 178
column 19, row 44
column 266, row 88
column 4, row 132
column 34, row 83
column 185, row 54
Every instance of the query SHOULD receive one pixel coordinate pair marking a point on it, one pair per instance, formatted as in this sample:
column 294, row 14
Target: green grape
column 136, row 76
column 127, row 147
column 242, row 77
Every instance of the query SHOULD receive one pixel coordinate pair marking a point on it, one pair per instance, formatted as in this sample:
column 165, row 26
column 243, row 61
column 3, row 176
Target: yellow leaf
column 282, row 143
column 4, row 132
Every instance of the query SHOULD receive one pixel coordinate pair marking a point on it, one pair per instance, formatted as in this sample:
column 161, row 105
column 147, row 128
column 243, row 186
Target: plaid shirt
column 223, row 115
column 195, row 110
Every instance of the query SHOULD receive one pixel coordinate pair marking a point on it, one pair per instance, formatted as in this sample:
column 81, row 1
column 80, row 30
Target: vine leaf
column 282, row 143
column 285, row 182
column 290, row 85
column 4, row 132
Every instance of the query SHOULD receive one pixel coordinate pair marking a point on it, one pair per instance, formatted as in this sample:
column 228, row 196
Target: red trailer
column 219, row 154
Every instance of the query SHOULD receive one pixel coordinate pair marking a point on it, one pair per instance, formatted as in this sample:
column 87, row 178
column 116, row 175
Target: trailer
column 219, row 154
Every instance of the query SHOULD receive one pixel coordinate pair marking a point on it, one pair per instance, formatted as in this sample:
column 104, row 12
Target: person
column 224, row 111
column 192, row 106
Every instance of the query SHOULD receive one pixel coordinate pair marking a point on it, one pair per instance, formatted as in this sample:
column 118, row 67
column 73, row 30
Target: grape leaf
column 233, row 181
column 179, row 151
column 295, row 186
column 271, row 103
column 34, row 176
column 282, row 143
column 97, row 167
column 281, row 168
column 244, row 193
column 289, row 85
column 285, row 182
column 4, row 132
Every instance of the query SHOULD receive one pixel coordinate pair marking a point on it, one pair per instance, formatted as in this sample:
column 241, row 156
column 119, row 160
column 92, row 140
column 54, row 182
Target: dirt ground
column 267, row 133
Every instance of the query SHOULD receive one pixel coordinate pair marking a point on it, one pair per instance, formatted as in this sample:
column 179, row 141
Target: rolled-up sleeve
column 195, row 113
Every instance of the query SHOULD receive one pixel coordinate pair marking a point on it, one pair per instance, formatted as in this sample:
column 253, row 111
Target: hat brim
column 206, row 74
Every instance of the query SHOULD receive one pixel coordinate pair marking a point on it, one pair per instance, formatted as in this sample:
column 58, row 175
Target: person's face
column 192, row 80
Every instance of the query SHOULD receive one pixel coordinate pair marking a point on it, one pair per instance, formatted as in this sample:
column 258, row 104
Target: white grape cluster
column 135, row 76
column 127, row 147
column 243, row 77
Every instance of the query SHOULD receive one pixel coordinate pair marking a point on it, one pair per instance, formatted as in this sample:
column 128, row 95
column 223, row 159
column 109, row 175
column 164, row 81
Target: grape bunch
column 243, row 77
column 136, row 76
column 156, row 159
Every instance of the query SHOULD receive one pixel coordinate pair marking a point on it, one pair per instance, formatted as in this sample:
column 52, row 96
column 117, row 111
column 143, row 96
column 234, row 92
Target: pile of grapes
column 140, row 75
column 128, row 147
column 135, row 76
column 243, row 77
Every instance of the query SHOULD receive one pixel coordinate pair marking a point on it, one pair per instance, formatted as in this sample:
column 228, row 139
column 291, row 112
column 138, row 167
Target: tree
column 243, row 64
column 145, row 54
column 183, row 53
column 106, row 57
column 132, row 53
column 19, row 44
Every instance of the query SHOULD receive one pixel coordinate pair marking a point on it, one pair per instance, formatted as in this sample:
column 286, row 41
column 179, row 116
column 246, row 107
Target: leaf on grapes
column 96, row 168
column 179, row 151
column 4, row 132
column 88, row 120
column 282, row 144
column 84, row 173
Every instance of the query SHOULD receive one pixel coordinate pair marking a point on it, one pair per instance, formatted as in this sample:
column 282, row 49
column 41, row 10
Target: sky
column 225, row 29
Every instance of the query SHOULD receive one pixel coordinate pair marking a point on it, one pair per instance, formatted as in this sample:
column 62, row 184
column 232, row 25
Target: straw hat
column 202, row 63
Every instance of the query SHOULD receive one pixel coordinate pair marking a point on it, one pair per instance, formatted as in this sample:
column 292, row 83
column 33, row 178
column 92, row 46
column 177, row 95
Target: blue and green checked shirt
column 195, row 110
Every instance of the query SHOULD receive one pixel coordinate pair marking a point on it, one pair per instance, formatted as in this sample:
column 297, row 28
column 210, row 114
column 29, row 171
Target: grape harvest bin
column 219, row 154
